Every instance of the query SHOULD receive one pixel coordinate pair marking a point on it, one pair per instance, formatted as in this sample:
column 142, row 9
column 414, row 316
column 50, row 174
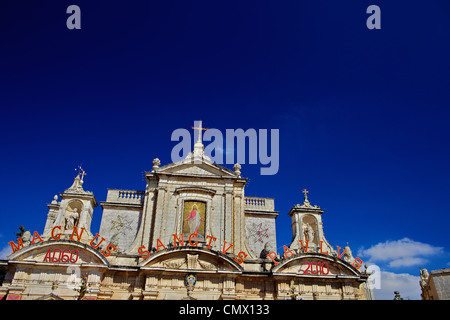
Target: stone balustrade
column 125, row 196
column 259, row 204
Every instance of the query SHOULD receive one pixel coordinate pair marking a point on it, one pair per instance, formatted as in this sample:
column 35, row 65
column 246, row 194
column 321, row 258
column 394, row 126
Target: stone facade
column 191, row 234
column 435, row 285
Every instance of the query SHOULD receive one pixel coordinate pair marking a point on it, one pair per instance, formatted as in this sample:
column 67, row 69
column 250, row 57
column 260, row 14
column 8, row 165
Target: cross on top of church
column 200, row 129
column 81, row 172
column 305, row 192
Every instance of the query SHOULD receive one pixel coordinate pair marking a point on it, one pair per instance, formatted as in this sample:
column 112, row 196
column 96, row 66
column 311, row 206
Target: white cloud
column 406, row 284
column 5, row 251
column 400, row 253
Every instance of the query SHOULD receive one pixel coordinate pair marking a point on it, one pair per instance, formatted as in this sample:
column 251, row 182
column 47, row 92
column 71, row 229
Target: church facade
column 191, row 234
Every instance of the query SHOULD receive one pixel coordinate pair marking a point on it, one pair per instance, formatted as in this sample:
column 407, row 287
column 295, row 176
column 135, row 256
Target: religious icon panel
column 194, row 218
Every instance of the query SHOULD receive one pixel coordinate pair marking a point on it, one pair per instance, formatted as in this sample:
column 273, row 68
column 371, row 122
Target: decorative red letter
column 36, row 236
column 239, row 259
column 75, row 231
column 272, row 255
column 19, row 245
column 286, row 250
column 229, row 247
column 145, row 254
column 304, row 249
column 98, row 244
column 358, row 263
column 321, row 242
column 109, row 247
column 175, row 239
column 47, row 256
column 195, row 243
column 339, row 248
column 159, row 244
column 59, row 257
column 57, row 237
column 210, row 239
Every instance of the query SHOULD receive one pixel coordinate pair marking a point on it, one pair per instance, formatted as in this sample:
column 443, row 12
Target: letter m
column 240, row 136
column 19, row 245
column 236, row 309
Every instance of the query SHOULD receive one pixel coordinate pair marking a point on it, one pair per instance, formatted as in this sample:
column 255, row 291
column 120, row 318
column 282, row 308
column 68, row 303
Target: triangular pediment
column 197, row 168
column 50, row 296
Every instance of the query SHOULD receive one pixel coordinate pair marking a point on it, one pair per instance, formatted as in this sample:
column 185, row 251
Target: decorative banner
column 194, row 210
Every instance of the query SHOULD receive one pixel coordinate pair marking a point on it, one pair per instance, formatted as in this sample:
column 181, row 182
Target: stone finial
column 237, row 169
column 77, row 184
column 156, row 164
column 306, row 203
column 55, row 199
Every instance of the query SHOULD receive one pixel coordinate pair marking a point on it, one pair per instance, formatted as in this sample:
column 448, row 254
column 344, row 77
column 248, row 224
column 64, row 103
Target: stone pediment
column 50, row 296
column 59, row 252
column 189, row 259
column 203, row 169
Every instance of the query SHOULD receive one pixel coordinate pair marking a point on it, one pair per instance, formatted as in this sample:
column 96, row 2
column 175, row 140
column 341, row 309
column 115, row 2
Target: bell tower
column 75, row 209
column 307, row 226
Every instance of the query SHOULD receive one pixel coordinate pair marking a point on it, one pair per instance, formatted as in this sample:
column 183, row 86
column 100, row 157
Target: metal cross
column 81, row 172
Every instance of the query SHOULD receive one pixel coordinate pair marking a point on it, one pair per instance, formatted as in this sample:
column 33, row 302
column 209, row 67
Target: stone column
column 228, row 217
column 159, row 211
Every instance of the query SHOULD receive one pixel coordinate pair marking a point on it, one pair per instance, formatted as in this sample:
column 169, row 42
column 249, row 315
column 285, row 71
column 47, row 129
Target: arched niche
column 310, row 230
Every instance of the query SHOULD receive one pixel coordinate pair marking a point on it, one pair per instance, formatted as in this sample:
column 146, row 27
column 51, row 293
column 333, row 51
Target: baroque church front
column 191, row 234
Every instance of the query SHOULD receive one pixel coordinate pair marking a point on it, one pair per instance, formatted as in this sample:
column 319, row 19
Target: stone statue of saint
column 348, row 256
column 423, row 277
column 308, row 232
column 26, row 238
column 72, row 219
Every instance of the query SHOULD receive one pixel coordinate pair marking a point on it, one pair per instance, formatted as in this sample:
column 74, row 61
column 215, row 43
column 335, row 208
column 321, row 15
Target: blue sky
column 363, row 114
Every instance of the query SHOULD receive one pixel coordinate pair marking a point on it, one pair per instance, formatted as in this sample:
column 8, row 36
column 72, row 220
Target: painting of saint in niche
column 194, row 218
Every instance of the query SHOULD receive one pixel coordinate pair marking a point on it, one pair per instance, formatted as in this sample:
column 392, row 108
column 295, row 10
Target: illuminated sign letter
column 340, row 255
column 19, row 245
column 145, row 254
column 272, row 255
column 358, row 263
column 98, row 244
column 210, row 239
column 58, row 236
column 159, row 244
column 109, row 247
column 229, row 247
column 241, row 256
column 321, row 242
column 176, row 239
column 36, row 236
column 286, row 251
column 193, row 235
column 75, row 231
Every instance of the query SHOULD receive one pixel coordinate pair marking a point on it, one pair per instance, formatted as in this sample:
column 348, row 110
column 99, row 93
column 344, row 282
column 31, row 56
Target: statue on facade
column 26, row 238
column 423, row 277
column 308, row 232
column 72, row 219
column 348, row 256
